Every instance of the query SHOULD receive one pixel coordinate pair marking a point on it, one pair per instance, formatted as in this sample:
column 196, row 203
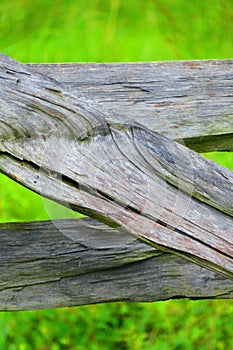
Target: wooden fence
column 119, row 143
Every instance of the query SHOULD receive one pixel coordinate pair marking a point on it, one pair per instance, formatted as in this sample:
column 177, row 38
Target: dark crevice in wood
column 223, row 143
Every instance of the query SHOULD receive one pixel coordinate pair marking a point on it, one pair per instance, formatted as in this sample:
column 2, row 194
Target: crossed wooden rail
column 90, row 136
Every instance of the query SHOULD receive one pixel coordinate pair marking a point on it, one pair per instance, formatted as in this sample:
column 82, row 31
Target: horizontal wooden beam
column 189, row 101
column 78, row 262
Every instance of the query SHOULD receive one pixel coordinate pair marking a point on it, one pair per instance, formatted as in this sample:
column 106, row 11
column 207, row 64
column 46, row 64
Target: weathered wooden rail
column 188, row 101
column 45, row 265
column 87, row 136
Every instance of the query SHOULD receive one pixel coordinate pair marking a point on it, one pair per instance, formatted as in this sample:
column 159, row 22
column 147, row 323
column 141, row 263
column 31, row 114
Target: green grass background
column 107, row 31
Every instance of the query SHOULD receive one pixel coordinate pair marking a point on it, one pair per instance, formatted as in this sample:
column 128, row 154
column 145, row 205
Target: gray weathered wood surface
column 67, row 148
column 190, row 101
column 76, row 262
column 80, row 150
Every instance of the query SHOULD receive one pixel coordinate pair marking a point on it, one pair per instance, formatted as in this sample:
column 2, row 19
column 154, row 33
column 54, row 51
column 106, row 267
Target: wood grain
column 78, row 262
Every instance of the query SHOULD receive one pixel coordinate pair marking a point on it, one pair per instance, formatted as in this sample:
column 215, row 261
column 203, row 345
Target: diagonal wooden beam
column 67, row 148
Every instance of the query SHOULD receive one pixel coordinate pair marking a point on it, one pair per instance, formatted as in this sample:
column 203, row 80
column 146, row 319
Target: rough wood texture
column 77, row 262
column 123, row 174
column 190, row 101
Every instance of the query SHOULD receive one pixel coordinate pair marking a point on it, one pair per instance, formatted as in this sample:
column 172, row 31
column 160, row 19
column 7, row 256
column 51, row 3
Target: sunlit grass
column 222, row 158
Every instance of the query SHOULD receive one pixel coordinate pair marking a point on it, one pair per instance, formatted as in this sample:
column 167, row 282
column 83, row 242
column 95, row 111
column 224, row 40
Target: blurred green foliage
column 176, row 325
column 106, row 31
column 115, row 30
